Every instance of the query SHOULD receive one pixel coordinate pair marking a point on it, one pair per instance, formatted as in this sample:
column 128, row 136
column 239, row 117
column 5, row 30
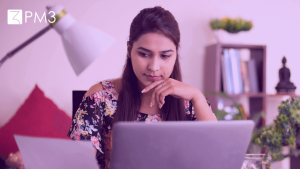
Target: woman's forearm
column 202, row 110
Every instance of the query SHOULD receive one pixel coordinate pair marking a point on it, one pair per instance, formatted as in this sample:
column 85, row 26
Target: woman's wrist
column 198, row 97
column 201, row 108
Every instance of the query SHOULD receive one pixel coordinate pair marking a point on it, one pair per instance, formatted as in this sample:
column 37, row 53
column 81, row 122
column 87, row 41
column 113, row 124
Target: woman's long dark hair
column 155, row 19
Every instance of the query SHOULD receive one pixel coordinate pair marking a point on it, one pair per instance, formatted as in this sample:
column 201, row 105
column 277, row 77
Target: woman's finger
column 152, row 103
column 152, row 85
column 163, row 93
column 162, row 86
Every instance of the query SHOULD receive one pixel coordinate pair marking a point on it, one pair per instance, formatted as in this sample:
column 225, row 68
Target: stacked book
column 238, row 75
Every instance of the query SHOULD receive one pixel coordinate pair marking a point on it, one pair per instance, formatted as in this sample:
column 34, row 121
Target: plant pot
column 252, row 161
column 219, row 35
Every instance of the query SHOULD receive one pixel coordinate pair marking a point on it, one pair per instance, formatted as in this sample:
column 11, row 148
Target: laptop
column 180, row 145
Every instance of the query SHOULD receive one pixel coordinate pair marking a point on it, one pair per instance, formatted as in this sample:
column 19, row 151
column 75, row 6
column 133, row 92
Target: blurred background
column 44, row 62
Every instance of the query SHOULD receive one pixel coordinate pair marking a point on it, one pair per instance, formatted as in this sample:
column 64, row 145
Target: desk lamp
column 82, row 43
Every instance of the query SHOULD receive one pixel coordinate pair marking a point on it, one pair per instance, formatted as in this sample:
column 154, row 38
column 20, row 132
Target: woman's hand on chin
column 175, row 88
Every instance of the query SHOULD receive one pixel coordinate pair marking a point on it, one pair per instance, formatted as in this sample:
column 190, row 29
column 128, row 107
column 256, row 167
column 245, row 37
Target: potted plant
column 285, row 131
column 229, row 25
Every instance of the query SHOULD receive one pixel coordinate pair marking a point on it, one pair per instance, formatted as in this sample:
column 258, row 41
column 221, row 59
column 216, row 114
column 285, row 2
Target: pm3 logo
column 14, row 17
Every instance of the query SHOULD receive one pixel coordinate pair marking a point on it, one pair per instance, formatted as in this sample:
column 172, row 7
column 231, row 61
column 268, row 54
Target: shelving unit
column 213, row 79
column 257, row 101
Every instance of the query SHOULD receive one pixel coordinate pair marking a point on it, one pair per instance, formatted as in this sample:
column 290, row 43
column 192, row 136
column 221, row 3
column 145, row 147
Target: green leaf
column 223, row 95
column 220, row 114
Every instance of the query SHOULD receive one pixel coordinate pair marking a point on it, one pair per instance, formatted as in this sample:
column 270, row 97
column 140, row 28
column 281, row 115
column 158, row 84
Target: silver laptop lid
column 180, row 145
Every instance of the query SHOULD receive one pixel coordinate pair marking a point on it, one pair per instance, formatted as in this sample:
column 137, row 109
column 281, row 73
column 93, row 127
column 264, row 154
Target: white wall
column 44, row 62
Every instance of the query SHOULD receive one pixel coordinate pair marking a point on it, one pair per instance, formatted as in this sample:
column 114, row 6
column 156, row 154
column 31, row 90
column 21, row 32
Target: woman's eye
column 165, row 56
column 143, row 54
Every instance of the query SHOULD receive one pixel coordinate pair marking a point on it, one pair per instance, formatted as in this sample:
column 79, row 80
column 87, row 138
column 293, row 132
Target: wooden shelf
column 252, row 95
column 241, row 46
column 282, row 95
column 247, row 95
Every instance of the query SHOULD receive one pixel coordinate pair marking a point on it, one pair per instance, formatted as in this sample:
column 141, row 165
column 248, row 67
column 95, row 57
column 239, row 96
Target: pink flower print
column 98, row 137
column 188, row 112
column 109, row 89
column 77, row 136
column 95, row 96
column 95, row 142
column 91, row 106
column 153, row 118
column 100, row 94
column 72, row 135
column 193, row 112
column 186, row 103
column 98, row 100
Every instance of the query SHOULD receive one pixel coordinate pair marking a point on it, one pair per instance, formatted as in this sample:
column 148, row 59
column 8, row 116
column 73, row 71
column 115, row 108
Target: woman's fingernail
column 143, row 90
column 151, row 104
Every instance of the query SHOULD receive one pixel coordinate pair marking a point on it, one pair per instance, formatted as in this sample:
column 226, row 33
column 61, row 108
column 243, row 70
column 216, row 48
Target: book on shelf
column 223, row 70
column 252, row 74
column 245, row 77
column 238, row 75
column 228, row 72
column 233, row 78
column 236, row 71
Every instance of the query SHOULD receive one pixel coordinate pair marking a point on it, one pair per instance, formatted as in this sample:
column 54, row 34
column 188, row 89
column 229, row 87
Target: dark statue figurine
column 285, row 85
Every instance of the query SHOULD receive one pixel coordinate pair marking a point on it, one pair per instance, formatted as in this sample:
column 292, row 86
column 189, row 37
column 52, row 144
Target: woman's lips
column 153, row 78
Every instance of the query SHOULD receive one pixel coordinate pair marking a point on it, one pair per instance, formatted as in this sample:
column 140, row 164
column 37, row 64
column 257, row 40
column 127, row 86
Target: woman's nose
column 154, row 64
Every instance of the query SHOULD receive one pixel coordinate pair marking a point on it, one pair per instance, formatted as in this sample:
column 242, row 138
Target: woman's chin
column 143, row 83
column 146, row 83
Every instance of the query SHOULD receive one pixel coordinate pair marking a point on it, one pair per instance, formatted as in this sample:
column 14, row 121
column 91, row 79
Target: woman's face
column 153, row 57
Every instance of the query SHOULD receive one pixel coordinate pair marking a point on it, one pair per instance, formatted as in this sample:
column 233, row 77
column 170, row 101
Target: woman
column 150, row 89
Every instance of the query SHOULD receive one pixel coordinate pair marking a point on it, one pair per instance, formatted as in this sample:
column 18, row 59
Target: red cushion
column 38, row 116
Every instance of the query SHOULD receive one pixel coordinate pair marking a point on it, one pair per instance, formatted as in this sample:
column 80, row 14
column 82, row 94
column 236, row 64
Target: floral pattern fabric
column 94, row 117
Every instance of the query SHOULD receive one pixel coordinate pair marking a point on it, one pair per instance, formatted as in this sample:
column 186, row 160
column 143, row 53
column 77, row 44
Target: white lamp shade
column 82, row 43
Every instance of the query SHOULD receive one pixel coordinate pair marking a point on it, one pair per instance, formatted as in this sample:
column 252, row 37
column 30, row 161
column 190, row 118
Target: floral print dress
column 94, row 117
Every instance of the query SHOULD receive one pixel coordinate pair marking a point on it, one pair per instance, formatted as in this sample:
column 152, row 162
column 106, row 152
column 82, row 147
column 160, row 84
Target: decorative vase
column 219, row 35
column 256, row 161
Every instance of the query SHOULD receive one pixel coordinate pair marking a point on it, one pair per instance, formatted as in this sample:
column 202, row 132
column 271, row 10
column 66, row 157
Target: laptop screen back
column 180, row 145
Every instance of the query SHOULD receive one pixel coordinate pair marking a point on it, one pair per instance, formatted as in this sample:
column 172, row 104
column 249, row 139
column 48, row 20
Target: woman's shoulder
column 94, row 89
column 105, row 87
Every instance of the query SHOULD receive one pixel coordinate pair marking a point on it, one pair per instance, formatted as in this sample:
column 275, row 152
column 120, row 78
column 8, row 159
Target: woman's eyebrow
column 165, row 51
column 147, row 50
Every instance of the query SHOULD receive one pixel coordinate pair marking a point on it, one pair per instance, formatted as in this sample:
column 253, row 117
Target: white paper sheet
column 49, row 153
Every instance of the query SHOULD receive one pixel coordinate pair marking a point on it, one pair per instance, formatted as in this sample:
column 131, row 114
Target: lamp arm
column 34, row 37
